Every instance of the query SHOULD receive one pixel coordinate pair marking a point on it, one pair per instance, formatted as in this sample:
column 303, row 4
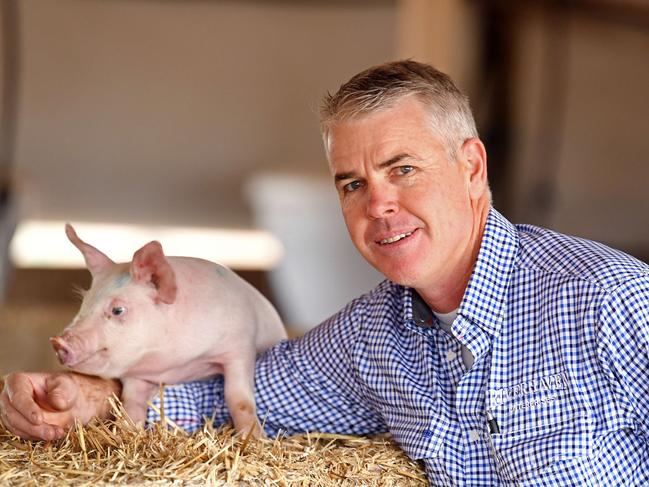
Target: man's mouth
column 395, row 238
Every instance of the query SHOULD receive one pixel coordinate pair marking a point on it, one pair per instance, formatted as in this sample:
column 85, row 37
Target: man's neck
column 447, row 293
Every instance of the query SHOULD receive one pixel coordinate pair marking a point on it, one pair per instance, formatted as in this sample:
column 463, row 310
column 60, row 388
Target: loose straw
column 118, row 451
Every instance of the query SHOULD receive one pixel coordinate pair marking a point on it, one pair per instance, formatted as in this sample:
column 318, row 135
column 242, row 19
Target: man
column 497, row 354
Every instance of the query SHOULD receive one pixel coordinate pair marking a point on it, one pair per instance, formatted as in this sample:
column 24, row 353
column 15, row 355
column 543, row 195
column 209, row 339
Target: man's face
column 410, row 211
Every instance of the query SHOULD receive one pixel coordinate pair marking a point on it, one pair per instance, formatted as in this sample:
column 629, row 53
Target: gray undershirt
column 423, row 315
column 446, row 322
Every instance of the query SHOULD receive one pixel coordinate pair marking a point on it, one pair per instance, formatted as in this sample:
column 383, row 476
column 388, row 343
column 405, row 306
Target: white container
column 321, row 270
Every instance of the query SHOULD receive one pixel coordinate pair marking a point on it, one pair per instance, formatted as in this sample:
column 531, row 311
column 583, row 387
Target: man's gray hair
column 380, row 87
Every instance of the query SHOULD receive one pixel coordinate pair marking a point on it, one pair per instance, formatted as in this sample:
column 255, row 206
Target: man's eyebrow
column 344, row 175
column 394, row 160
column 390, row 162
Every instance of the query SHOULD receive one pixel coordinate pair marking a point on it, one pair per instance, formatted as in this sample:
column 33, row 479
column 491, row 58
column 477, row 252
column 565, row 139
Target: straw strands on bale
column 118, row 451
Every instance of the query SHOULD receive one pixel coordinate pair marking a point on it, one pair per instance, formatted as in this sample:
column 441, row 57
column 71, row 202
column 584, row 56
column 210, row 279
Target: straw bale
column 118, row 451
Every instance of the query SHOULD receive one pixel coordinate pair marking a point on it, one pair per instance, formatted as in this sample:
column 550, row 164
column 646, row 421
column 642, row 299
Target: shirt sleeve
column 306, row 384
column 624, row 345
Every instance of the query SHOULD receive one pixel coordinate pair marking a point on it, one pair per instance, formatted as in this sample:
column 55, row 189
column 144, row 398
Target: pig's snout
column 63, row 351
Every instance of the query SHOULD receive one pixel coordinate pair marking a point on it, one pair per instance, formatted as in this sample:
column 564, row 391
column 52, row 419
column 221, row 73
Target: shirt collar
column 485, row 298
column 421, row 313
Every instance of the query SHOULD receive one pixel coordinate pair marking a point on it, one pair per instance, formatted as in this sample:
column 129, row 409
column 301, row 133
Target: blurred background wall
column 204, row 113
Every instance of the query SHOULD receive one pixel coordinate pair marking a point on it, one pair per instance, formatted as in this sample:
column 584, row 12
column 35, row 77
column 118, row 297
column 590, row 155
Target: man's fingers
column 62, row 392
column 43, row 405
column 20, row 391
column 42, row 432
column 18, row 425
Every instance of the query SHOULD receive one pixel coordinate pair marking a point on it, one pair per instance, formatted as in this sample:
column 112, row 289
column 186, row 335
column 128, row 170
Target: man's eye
column 405, row 169
column 118, row 310
column 351, row 187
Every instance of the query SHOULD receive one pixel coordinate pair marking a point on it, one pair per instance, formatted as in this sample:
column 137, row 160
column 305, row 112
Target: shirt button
column 450, row 355
column 474, row 435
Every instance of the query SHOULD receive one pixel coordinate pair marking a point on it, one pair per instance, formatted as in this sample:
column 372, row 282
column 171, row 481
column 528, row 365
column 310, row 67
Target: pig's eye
column 118, row 310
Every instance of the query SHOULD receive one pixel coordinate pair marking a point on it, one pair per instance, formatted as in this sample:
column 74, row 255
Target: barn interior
column 148, row 119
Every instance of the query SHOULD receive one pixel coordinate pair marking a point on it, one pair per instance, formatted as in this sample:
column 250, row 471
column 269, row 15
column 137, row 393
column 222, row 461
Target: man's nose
column 382, row 202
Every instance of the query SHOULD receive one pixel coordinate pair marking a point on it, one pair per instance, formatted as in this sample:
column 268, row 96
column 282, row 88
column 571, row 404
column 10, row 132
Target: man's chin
column 401, row 276
column 400, row 268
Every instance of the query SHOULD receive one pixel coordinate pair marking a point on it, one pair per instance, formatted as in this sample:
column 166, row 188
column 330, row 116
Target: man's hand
column 42, row 406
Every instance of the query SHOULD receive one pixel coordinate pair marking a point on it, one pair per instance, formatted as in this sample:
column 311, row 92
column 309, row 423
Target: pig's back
column 213, row 289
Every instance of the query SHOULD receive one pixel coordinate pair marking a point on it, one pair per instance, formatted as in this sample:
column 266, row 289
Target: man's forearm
column 98, row 391
column 89, row 399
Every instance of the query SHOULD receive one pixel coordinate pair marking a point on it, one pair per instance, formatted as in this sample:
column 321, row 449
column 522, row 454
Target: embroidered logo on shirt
column 546, row 384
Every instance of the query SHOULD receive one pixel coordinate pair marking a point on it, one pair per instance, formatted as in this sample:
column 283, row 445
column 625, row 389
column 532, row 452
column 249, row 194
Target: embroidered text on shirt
column 548, row 383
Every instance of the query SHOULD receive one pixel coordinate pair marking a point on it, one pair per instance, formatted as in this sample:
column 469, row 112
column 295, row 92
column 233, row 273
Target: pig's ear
column 95, row 259
column 149, row 265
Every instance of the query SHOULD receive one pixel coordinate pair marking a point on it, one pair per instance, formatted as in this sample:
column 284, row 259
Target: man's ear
column 473, row 156
column 150, row 266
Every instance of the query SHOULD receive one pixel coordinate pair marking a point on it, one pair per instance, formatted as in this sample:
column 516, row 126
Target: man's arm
column 306, row 384
column 624, row 344
column 42, row 406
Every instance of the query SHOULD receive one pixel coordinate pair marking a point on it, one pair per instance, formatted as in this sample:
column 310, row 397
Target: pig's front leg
column 239, row 377
column 135, row 395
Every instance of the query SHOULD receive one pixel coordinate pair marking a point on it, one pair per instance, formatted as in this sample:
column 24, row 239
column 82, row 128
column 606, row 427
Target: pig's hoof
column 253, row 430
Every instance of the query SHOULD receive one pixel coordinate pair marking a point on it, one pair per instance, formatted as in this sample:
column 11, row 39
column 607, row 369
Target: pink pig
column 169, row 319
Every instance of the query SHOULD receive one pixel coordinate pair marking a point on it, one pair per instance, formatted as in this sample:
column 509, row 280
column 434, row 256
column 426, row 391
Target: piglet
column 170, row 320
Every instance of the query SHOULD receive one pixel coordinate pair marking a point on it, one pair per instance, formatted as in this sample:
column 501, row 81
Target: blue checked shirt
column 558, row 394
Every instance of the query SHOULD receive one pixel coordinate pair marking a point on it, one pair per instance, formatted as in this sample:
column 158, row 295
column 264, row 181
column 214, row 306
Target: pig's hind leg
column 136, row 393
column 239, row 377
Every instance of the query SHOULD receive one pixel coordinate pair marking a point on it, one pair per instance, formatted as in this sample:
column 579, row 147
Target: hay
column 118, row 451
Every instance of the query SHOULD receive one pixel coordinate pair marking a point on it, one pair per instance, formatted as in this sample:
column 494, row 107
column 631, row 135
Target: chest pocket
column 527, row 454
column 545, row 427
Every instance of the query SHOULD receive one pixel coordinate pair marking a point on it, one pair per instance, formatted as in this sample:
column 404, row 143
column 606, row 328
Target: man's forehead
column 381, row 134
column 350, row 136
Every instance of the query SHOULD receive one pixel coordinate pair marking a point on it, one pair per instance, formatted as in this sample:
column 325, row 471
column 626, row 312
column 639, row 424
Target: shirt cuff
column 192, row 404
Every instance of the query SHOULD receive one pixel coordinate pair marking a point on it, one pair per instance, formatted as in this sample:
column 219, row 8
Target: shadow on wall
column 321, row 270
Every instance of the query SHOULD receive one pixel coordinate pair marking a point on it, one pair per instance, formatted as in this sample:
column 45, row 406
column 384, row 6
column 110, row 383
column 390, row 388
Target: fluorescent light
column 43, row 244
